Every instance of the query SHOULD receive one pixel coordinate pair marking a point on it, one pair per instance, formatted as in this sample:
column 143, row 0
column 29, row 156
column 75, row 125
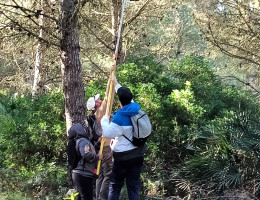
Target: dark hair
column 125, row 95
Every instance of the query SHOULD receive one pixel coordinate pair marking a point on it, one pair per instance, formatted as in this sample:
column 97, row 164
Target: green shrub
column 203, row 131
column 32, row 140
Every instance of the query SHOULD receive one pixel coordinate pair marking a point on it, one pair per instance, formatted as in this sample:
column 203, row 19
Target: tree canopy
column 193, row 66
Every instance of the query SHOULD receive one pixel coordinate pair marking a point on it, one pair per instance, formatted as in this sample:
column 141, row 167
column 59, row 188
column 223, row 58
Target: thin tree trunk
column 37, row 81
column 75, row 108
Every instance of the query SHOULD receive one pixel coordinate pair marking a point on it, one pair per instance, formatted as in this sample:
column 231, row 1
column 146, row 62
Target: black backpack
column 73, row 154
column 73, row 158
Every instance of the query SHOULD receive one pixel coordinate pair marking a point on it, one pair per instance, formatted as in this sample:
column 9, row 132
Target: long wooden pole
column 109, row 104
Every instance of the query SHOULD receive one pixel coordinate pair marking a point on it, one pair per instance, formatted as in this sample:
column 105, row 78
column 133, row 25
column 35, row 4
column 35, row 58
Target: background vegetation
column 205, row 133
column 193, row 67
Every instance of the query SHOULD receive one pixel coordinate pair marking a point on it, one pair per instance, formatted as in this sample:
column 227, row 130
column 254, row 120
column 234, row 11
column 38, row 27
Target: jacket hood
column 130, row 109
column 123, row 116
column 77, row 130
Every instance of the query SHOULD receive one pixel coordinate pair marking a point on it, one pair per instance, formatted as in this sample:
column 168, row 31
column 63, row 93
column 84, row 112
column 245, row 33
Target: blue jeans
column 129, row 171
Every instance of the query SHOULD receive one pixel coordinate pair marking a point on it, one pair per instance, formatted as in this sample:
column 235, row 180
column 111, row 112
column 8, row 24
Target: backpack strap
column 127, row 138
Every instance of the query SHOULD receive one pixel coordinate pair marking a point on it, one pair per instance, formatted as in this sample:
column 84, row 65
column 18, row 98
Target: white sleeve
column 110, row 130
column 117, row 86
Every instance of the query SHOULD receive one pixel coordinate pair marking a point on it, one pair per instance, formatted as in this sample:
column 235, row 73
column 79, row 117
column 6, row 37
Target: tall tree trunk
column 37, row 80
column 75, row 108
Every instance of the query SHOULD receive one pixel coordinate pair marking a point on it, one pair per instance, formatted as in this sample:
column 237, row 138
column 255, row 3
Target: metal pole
column 109, row 106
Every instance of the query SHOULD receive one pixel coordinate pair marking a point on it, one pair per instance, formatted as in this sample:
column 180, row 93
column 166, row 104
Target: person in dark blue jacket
column 128, row 159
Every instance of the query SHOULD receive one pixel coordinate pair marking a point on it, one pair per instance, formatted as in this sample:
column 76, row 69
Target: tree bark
column 75, row 108
column 37, row 80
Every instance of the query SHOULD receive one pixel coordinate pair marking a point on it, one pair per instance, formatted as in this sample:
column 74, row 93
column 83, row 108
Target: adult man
column 128, row 159
column 98, row 109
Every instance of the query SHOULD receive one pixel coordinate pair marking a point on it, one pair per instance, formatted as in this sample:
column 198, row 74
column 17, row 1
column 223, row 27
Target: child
column 83, row 175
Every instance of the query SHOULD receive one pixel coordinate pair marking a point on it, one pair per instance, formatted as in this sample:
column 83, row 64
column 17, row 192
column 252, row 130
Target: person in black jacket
column 83, row 175
column 98, row 110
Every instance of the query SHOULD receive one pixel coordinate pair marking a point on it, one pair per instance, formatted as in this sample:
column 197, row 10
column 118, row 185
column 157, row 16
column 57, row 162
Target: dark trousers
column 102, row 183
column 84, row 186
column 129, row 171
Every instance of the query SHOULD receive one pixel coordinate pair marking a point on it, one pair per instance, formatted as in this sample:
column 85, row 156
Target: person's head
column 125, row 95
column 94, row 103
column 77, row 130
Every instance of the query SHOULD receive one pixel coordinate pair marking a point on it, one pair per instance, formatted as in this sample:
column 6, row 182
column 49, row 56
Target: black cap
column 125, row 95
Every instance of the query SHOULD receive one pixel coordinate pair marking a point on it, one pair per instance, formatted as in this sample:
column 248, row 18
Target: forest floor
column 228, row 195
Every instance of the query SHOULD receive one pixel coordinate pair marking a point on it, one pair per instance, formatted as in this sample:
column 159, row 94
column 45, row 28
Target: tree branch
column 54, row 78
column 244, row 82
column 97, row 66
column 99, row 39
column 137, row 14
column 30, row 32
column 217, row 44
column 23, row 9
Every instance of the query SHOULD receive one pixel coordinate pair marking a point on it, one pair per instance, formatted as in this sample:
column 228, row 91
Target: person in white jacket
column 127, row 158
